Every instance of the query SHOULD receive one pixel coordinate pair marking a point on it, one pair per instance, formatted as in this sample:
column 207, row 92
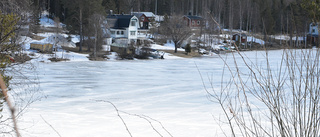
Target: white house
column 313, row 29
column 313, row 35
column 123, row 28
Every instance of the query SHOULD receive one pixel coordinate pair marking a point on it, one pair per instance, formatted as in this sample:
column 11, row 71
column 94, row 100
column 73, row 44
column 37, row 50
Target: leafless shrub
column 271, row 99
column 23, row 90
column 269, row 96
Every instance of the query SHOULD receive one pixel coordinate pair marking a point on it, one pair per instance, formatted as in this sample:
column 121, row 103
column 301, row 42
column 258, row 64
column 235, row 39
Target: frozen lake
column 144, row 92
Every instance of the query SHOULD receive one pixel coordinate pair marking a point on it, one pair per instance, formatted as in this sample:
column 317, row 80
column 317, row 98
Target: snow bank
column 256, row 40
column 45, row 21
column 286, row 37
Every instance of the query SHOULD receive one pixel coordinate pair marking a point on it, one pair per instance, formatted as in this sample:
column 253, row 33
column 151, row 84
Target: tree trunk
column 48, row 9
column 95, row 45
column 230, row 22
column 247, row 27
column 81, row 33
column 191, row 6
column 240, row 23
column 175, row 47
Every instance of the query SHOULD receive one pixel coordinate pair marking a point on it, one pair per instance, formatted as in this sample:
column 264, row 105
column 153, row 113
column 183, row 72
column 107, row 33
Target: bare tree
column 271, row 101
column 175, row 29
column 96, row 21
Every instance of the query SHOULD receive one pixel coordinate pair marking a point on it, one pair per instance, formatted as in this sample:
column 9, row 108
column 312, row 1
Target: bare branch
column 124, row 123
column 11, row 107
column 51, row 126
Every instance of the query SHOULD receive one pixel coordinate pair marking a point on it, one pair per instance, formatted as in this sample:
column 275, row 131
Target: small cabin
column 42, row 47
column 236, row 37
column 193, row 21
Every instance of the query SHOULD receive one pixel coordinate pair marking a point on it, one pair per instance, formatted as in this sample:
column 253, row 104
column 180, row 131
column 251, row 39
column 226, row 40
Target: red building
column 144, row 18
column 312, row 40
column 193, row 21
column 236, row 37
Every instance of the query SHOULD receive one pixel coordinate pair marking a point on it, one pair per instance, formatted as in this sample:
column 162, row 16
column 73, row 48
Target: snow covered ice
column 169, row 91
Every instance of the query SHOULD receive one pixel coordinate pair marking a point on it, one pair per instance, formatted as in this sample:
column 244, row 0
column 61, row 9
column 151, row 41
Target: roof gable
column 140, row 15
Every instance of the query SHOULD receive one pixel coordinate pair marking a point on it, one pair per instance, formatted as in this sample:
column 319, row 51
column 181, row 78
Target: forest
column 267, row 17
column 264, row 16
column 261, row 16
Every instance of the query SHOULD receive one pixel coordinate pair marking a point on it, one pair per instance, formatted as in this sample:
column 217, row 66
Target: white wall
column 313, row 29
column 133, row 28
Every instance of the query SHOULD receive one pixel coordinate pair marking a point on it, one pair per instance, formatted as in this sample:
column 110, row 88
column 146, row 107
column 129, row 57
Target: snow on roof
column 148, row 14
column 38, row 42
column 137, row 14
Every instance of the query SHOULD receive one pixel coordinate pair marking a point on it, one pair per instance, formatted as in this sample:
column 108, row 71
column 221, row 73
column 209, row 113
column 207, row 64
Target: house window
column 142, row 18
column 313, row 30
column 113, row 32
column 193, row 22
column 122, row 32
column 118, row 32
column 132, row 33
column 198, row 22
column 133, row 23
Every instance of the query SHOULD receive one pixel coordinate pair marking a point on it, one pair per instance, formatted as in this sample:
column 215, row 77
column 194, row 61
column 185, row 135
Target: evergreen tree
column 313, row 9
column 7, row 31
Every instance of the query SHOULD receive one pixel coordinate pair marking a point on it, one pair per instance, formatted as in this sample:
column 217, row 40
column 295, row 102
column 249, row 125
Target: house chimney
column 189, row 13
column 111, row 12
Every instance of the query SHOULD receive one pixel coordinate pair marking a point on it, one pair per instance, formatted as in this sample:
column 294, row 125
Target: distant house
column 143, row 20
column 123, row 27
column 313, row 34
column 150, row 16
column 236, row 37
column 193, row 21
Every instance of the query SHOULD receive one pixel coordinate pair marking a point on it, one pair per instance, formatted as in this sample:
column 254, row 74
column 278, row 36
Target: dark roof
column 194, row 17
column 119, row 21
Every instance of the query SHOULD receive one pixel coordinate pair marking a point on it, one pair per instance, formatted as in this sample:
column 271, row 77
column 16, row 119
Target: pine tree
column 7, row 31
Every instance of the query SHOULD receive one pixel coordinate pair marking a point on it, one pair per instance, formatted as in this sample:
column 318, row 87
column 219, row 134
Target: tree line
column 270, row 16
column 258, row 16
